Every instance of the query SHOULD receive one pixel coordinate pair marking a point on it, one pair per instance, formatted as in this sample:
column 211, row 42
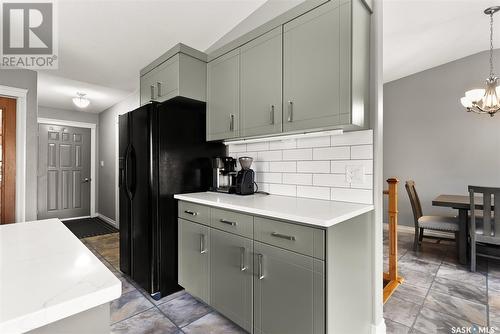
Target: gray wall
column 27, row 79
column 68, row 115
column 107, row 153
column 429, row 137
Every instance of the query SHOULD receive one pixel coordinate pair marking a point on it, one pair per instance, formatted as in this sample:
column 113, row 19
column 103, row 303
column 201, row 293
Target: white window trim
column 93, row 151
column 20, row 95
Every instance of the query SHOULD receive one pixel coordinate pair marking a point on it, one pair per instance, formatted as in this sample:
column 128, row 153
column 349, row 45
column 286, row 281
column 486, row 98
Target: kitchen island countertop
column 312, row 212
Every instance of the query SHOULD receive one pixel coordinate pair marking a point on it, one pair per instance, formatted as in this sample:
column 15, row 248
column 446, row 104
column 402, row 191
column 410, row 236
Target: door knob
column 86, row 180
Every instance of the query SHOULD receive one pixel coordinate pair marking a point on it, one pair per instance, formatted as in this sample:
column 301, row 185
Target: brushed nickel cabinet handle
column 158, row 85
column 283, row 236
column 192, row 213
column 152, row 92
column 231, row 122
column 260, row 266
column 271, row 116
column 228, row 222
column 290, row 111
column 203, row 249
column 242, row 259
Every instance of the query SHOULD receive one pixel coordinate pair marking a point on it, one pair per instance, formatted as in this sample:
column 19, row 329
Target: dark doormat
column 89, row 227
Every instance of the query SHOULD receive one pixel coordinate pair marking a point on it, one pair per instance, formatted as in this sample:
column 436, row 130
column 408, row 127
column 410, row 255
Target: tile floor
column 136, row 312
column 437, row 294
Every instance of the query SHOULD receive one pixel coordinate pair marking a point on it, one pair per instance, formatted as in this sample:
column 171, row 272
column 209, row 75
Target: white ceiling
column 104, row 44
column 421, row 34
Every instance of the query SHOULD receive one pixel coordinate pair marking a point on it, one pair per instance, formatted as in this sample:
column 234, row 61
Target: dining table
column 462, row 204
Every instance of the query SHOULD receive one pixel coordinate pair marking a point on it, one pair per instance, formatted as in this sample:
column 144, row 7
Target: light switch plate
column 355, row 173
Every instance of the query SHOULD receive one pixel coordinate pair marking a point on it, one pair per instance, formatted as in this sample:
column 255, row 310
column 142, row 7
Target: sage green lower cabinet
column 289, row 292
column 194, row 259
column 231, row 275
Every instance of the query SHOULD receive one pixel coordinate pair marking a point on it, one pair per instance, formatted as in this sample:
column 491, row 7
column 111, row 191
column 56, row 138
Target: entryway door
column 7, row 160
column 63, row 171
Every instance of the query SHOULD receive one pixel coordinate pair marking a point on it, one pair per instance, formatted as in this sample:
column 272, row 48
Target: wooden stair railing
column 391, row 278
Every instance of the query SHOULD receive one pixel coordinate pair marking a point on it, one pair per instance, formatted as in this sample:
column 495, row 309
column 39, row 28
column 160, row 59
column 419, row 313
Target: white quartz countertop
column 313, row 212
column 47, row 274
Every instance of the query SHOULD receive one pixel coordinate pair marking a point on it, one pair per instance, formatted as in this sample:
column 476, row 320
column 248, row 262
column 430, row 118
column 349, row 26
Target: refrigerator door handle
column 126, row 172
column 133, row 166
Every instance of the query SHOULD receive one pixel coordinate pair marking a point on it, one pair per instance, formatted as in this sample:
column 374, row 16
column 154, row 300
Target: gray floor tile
column 401, row 311
column 151, row 321
column 164, row 299
column 462, row 274
column 493, row 283
column 127, row 305
column 456, row 307
column 126, row 285
column 471, row 292
column 395, row 328
column 427, row 256
column 417, row 278
column 430, row 322
column 411, row 293
column 184, row 309
column 494, row 268
column 418, row 264
column 494, row 300
column 213, row 323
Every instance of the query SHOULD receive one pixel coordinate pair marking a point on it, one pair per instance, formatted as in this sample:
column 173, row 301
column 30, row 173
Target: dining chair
column 484, row 224
column 436, row 223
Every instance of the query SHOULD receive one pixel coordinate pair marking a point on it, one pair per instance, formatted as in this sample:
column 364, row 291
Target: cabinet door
column 166, row 79
column 261, row 76
column 231, row 277
column 148, row 89
column 194, row 259
column 223, row 96
column 316, row 75
column 289, row 292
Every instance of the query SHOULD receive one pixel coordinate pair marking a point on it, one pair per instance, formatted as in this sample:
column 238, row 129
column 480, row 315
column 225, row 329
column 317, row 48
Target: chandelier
column 485, row 101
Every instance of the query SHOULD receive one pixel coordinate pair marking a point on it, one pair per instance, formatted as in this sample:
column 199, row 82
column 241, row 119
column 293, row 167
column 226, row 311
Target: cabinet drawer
column 232, row 222
column 301, row 239
column 194, row 212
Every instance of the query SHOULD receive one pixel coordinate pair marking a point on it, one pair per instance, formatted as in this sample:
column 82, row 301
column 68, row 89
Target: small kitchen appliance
column 245, row 179
column 224, row 174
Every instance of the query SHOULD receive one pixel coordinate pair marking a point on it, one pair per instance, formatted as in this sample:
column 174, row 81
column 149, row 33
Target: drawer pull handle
column 283, row 236
column 271, row 115
column 290, row 111
column 228, row 222
column 203, row 248
column 192, row 213
column 242, row 259
column 260, row 266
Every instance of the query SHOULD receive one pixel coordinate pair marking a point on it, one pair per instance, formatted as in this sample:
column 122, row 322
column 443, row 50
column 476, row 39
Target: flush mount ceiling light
column 485, row 101
column 81, row 101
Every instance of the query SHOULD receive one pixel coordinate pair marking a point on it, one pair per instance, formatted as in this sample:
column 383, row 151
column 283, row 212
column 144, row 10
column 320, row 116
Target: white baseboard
column 379, row 328
column 411, row 229
column 74, row 218
column 107, row 220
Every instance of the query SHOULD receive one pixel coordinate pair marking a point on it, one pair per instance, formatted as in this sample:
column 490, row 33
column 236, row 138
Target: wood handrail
column 392, row 192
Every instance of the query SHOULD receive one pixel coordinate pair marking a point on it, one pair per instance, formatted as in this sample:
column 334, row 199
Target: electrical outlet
column 355, row 174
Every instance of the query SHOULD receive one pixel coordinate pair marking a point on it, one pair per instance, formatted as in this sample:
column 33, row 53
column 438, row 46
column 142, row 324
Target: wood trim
column 8, row 141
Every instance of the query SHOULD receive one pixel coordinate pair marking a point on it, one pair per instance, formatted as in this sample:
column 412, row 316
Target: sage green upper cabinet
column 223, row 96
column 231, row 268
column 261, row 74
column 181, row 71
column 289, row 292
column 194, row 259
column 316, row 68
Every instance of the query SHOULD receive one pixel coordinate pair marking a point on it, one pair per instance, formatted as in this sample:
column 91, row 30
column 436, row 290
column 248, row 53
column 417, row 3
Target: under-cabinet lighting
column 285, row 137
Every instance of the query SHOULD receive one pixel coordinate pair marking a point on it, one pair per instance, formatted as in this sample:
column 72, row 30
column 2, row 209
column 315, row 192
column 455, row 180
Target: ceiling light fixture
column 485, row 101
column 81, row 101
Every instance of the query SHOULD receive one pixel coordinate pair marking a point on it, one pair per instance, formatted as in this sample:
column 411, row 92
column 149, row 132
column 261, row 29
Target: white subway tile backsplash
column 297, row 178
column 313, row 166
column 313, row 142
column 283, row 144
column 270, row 156
column 298, row 154
column 313, row 192
column 283, row 166
column 353, row 138
column 352, row 195
column 332, row 153
column 362, row 152
column 283, row 189
column 269, row 177
column 330, row 180
column 260, row 146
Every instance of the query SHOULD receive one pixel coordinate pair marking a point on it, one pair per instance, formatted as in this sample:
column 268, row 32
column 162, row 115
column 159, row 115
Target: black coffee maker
column 245, row 179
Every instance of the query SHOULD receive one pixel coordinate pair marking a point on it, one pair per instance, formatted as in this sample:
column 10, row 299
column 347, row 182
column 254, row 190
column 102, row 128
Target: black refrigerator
column 162, row 152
